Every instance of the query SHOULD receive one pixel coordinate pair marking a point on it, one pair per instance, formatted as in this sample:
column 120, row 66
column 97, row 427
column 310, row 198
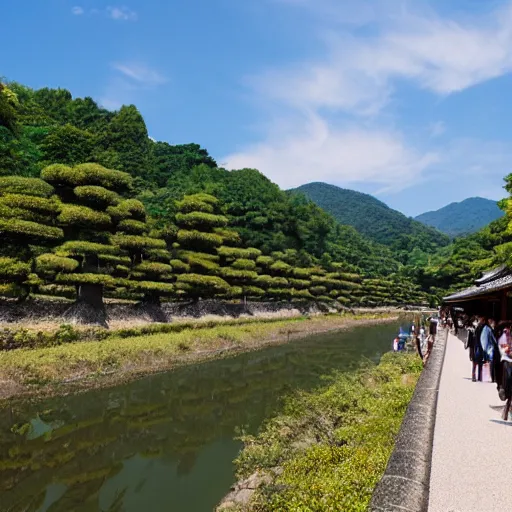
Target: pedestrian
column 433, row 327
column 395, row 344
column 504, row 367
column 489, row 346
column 476, row 354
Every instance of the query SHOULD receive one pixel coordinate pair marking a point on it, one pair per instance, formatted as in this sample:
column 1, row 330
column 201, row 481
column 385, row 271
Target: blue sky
column 407, row 100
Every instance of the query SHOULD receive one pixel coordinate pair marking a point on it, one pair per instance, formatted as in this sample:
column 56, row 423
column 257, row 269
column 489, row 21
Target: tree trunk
column 89, row 307
column 151, row 306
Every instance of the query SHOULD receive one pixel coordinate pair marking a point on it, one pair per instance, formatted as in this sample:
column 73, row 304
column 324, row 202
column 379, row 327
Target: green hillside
column 462, row 218
column 374, row 219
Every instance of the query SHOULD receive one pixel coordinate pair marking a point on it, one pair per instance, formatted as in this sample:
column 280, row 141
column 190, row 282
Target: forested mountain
column 374, row 219
column 462, row 218
column 167, row 222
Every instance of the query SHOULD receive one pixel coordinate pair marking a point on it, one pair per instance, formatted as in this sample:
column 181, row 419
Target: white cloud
column 77, row 10
column 357, row 73
column 346, row 95
column 121, row 13
column 140, row 73
column 317, row 152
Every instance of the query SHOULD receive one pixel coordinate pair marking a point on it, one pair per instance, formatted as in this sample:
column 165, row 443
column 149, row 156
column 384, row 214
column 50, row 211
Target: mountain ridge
column 373, row 218
column 462, row 217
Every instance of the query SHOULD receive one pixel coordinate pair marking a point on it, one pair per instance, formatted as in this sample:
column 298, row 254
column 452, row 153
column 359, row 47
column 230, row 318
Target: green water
column 165, row 442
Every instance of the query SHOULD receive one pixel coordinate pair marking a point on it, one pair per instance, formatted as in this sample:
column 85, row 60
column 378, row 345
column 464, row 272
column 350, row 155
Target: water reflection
column 163, row 443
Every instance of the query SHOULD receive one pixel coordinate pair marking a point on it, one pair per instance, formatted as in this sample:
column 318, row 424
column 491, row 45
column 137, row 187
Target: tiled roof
column 493, row 274
column 487, row 288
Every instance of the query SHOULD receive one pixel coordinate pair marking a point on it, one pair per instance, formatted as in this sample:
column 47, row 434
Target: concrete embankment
column 406, row 482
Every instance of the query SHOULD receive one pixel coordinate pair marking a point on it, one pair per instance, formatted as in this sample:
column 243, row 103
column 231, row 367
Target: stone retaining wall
column 405, row 484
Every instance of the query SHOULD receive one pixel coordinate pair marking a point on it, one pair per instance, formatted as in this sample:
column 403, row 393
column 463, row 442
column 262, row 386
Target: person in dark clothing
column 476, row 354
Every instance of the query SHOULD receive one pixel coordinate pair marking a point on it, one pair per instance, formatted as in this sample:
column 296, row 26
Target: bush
column 133, row 227
column 229, row 236
column 8, row 212
column 265, row 261
column 279, row 293
column 33, row 203
column 73, row 215
column 345, row 276
column 58, row 290
column 162, row 255
column 51, row 264
column 235, row 252
column 200, row 264
column 200, row 282
column 253, row 291
column 13, row 270
column 82, row 248
column 78, row 279
column 264, row 281
column 126, row 209
column 37, row 233
column 318, row 290
column 194, row 220
column 302, row 294
column 12, row 290
column 97, row 196
column 198, row 239
column 234, row 292
column 86, row 174
column 302, row 273
column 299, row 283
column 237, row 275
column 154, row 268
column 187, row 255
column 179, row 266
column 114, row 260
column 25, row 186
column 137, row 242
column 244, row 264
column 151, row 287
column 280, row 267
column 197, row 202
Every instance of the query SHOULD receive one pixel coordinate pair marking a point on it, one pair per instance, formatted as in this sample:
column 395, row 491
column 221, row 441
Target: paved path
column 472, row 457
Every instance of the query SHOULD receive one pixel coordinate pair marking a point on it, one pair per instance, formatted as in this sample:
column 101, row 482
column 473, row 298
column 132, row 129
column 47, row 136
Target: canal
column 164, row 442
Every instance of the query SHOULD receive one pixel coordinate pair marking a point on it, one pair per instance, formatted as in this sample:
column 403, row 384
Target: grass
column 24, row 370
column 329, row 448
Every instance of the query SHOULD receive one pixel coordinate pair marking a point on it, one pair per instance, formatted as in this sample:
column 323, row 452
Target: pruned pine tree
column 195, row 257
column 28, row 212
column 90, row 255
column 394, row 291
column 149, row 274
column 239, row 269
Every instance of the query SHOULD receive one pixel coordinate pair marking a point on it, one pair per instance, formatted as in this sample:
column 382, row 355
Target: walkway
column 472, row 457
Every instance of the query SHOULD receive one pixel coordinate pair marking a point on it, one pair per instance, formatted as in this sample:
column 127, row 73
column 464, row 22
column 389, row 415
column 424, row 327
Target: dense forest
column 90, row 206
column 464, row 218
column 375, row 220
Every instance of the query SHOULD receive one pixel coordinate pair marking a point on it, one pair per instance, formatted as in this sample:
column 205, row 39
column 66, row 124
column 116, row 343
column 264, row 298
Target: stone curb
column 406, row 481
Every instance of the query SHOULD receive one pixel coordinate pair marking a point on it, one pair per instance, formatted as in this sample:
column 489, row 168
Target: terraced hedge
column 88, row 233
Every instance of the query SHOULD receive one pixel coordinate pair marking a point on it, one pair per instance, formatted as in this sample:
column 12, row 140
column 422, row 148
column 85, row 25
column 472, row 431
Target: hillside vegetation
column 464, row 218
column 374, row 219
column 90, row 207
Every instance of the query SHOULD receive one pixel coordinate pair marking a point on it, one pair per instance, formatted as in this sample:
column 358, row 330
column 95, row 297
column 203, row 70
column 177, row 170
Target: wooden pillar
column 504, row 304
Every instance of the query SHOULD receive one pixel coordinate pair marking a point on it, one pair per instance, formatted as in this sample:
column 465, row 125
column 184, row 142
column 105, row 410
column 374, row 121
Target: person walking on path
column 489, row 346
column 476, row 354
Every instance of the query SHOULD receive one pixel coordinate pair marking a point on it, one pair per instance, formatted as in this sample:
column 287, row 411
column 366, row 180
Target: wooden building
column 489, row 296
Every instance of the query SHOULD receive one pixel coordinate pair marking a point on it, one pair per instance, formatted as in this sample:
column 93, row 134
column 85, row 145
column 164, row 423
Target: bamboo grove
column 77, row 232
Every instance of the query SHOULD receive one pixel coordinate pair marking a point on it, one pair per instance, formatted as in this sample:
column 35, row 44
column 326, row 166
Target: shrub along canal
column 165, row 442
